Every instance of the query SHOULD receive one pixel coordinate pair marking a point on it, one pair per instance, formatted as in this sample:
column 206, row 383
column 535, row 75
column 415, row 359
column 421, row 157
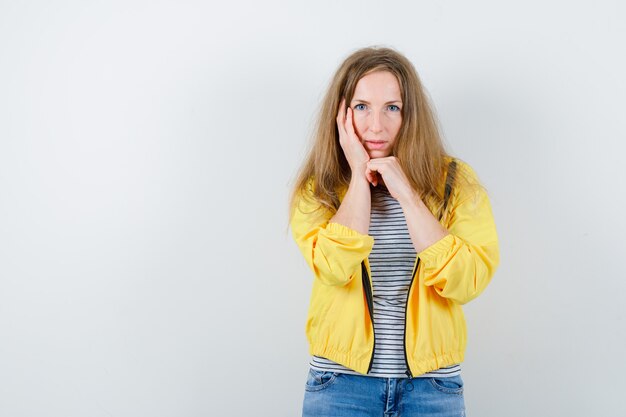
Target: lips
column 375, row 144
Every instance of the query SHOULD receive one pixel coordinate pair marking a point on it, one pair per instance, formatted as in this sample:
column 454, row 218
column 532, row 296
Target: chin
column 378, row 154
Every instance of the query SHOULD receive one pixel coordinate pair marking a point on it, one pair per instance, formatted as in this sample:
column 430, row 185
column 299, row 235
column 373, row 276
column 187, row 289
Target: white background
column 146, row 154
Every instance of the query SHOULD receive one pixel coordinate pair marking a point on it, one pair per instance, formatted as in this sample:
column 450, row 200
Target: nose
column 376, row 125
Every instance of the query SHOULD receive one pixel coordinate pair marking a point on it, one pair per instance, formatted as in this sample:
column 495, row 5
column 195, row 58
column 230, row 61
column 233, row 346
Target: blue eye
column 359, row 107
column 393, row 107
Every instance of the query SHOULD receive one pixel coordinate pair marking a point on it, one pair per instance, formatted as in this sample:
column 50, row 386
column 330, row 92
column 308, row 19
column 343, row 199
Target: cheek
column 399, row 126
column 395, row 125
column 360, row 125
column 400, row 120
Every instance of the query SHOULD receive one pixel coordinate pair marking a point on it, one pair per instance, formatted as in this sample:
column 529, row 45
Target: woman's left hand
column 395, row 180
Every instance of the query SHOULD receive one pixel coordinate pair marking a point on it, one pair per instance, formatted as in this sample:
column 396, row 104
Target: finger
column 348, row 123
column 368, row 174
column 341, row 126
column 372, row 175
column 372, row 167
column 341, row 114
column 341, row 117
column 349, row 126
column 344, row 136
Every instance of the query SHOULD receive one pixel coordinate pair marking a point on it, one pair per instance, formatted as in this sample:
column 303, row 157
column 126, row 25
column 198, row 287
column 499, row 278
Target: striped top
column 391, row 262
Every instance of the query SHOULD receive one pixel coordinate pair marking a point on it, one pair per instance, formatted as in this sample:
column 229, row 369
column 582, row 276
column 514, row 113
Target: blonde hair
column 418, row 146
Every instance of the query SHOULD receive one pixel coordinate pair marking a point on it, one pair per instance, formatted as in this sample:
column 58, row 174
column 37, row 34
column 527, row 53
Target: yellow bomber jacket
column 447, row 274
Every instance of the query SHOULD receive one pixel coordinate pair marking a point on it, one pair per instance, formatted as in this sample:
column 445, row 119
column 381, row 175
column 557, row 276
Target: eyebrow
column 367, row 102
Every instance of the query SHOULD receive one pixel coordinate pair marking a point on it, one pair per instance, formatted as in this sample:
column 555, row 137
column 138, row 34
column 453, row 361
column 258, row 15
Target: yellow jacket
column 450, row 272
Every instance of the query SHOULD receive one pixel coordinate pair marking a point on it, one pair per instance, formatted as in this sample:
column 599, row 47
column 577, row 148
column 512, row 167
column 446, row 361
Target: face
column 377, row 109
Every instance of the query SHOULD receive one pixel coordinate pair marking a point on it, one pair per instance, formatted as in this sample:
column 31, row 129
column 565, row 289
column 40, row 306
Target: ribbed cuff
column 437, row 249
column 342, row 230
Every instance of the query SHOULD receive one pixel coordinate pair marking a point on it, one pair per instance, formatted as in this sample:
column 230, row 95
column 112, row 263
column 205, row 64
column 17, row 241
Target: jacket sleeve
column 334, row 252
column 460, row 265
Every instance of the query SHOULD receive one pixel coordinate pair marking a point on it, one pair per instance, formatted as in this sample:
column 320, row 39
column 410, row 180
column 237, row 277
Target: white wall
column 146, row 153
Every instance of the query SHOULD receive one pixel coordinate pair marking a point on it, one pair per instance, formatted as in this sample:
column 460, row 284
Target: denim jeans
column 333, row 394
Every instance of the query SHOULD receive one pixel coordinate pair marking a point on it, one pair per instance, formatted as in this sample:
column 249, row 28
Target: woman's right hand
column 352, row 147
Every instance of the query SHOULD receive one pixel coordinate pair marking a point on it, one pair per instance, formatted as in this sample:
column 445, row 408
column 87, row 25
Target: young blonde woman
column 398, row 235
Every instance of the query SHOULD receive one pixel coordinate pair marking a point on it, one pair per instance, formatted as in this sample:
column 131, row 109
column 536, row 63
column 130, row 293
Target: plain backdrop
column 147, row 149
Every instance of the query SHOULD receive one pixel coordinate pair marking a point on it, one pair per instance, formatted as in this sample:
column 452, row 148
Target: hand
column 352, row 147
column 395, row 180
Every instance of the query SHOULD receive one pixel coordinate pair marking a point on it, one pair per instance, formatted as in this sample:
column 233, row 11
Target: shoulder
column 307, row 199
column 467, row 186
column 460, row 168
column 308, row 211
column 306, row 193
column 311, row 185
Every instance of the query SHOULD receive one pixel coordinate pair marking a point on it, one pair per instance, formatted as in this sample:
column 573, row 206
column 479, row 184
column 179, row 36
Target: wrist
column 411, row 198
column 358, row 177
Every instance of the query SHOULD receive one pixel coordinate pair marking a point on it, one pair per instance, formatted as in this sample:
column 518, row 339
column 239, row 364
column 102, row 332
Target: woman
column 398, row 235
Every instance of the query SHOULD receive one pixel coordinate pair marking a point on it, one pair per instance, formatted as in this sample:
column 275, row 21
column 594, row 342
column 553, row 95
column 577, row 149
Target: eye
column 393, row 107
column 359, row 107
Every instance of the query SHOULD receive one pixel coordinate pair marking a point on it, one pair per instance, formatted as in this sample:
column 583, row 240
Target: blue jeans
column 334, row 394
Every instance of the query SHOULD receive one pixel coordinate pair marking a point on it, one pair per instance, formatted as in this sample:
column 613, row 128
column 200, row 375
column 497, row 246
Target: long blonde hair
column 418, row 146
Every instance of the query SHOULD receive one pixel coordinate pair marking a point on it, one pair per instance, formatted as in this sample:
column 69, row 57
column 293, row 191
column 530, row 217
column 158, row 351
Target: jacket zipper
column 406, row 312
column 370, row 305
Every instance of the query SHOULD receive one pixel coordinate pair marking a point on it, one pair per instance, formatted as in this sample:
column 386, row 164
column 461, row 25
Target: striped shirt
column 391, row 262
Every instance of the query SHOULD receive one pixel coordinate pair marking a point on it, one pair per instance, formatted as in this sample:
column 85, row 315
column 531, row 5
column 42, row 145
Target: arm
column 459, row 262
column 354, row 211
column 332, row 250
column 424, row 228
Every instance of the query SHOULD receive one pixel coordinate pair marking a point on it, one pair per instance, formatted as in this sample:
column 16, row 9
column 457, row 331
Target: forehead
column 378, row 84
